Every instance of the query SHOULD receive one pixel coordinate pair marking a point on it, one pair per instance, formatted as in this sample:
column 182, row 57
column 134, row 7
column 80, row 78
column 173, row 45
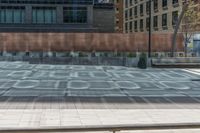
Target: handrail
column 111, row 128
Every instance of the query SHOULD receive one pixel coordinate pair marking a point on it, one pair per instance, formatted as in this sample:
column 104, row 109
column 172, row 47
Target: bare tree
column 188, row 10
column 190, row 22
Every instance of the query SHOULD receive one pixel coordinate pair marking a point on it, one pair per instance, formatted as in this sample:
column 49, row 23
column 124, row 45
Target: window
column 131, row 26
column 2, row 16
column 147, row 7
column 155, row 5
column 155, row 21
column 136, row 1
column 164, row 3
column 130, row 12
column 117, row 21
column 18, row 16
column 141, row 9
column 147, row 23
column 75, row 15
column 12, row 14
column 126, row 27
column 135, row 11
column 174, row 17
column 44, row 15
column 174, row 2
column 135, row 26
column 117, row 10
column 126, row 14
column 9, row 17
column 126, row 3
column 141, row 24
column 164, row 20
column 130, row 2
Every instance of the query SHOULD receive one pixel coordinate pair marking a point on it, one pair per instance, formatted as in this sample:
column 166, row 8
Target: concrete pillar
column 28, row 14
column 90, row 15
column 59, row 13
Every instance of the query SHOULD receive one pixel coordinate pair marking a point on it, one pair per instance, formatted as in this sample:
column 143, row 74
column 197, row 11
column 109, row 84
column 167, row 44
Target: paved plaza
column 33, row 83
column 33, row 95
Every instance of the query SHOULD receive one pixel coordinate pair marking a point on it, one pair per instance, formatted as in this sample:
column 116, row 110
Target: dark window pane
column 75, row 15
column 164, row 20
column 164, row 3
column 155, row 21
column 174, row 17
column 141, row 24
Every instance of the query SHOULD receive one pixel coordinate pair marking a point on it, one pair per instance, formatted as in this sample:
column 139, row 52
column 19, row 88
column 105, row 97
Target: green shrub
column 142, row 63
column 67, row 54
column 118, row 55
column 105, row 54
column 131, row 55
column 82, row 54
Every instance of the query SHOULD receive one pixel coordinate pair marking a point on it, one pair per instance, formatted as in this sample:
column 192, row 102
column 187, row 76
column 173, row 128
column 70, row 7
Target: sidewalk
column 82, row 117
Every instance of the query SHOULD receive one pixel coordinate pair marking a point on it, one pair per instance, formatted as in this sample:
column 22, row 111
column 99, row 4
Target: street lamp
column 149, row 49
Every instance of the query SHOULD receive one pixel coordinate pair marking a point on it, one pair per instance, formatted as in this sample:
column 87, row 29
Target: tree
column 190, row 22
column 190, row 13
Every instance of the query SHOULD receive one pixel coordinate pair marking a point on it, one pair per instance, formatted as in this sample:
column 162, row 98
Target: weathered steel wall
column 86, row 42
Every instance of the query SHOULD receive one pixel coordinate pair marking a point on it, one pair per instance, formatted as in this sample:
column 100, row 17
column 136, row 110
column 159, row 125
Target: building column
column 28, row 14
column 59, row 14
column 90, row 15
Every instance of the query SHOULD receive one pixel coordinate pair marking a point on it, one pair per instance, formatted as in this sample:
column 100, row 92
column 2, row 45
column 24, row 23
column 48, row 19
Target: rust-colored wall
column 86, row 42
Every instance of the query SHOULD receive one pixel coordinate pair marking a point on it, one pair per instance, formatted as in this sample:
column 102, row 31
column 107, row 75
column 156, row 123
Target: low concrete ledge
column 107, row 61
column 176, row 62
column 111, row 128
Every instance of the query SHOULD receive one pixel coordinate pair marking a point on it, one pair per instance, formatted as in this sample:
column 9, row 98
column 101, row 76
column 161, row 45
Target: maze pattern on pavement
column 23, row 79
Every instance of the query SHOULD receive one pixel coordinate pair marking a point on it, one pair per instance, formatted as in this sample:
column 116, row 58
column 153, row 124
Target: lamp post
column 149, row 49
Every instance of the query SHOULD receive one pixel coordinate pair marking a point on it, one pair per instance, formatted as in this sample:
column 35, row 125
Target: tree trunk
column 178, row 23
column 185, row 49
column 186, row 41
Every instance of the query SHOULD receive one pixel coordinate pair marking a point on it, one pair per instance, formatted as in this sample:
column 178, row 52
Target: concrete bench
column 176, row 62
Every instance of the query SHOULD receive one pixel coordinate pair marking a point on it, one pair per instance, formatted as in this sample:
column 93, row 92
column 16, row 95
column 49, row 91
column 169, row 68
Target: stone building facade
column 119, row 15
column 164, row 15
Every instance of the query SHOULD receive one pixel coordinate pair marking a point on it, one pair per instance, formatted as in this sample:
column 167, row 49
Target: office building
column 56, row 16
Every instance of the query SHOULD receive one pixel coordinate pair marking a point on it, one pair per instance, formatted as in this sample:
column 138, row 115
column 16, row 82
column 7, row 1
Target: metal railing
column 111, row 128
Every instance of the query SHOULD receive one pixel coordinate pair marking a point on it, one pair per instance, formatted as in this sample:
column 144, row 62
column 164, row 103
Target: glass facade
column 12, row 14
column 44, row 15
column 75, row 15
column 56, row 15
column 48, row 1
column 49, row 12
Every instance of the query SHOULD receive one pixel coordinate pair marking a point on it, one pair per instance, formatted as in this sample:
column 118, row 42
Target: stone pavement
column 78, row 117
column 33, row 95
column 81, row 117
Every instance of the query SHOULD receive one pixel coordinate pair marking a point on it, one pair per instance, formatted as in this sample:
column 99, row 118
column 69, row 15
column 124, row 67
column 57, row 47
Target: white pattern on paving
column 53, row 86
column 71, row 79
